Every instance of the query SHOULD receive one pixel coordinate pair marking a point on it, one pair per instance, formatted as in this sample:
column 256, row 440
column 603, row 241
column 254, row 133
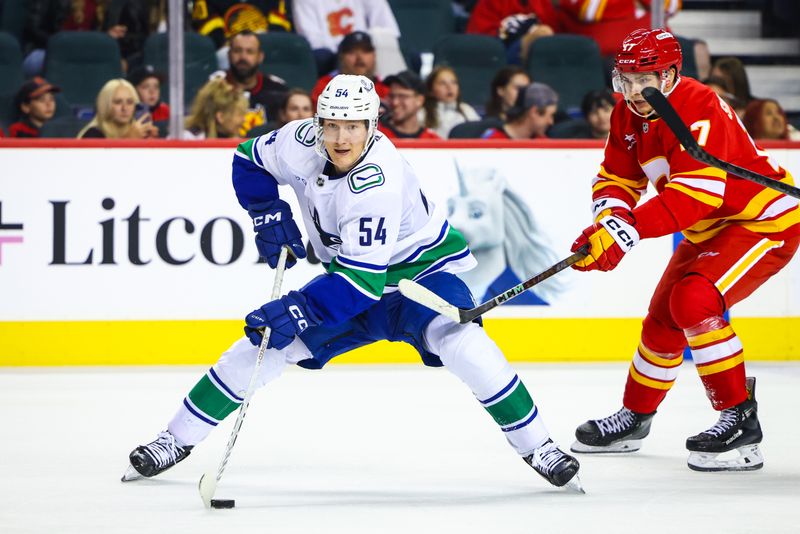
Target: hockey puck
column 223, row 503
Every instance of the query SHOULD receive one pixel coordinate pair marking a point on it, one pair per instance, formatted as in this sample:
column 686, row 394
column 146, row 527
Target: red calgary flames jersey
column 692, row 197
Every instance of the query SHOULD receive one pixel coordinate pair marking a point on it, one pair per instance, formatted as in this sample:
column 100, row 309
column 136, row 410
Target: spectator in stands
column 731, row 69
column 722, row 88
column 531, row 115
column 222, row 19
column 356, row 56
column 218, row 110
column 148, row 87
column 117, row 116
column 325, row 23
column 597, row 107
column 517, row 22
column 443, row 106
column 406, row 100
column 47, row 17
column 140, row 18
column 265, row 92
column 296, row 105
column 504, row 88
column 36, row 104
column 765, row 119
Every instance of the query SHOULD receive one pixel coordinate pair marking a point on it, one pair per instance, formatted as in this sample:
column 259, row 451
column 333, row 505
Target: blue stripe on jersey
column 437, row 266
column 198, row 414
column 333, row 299
column 364, row 265
column 252, row 183
column 218, row 381
column 526, row 422
column 429, row 245
column 502, row 391
column 255, row 152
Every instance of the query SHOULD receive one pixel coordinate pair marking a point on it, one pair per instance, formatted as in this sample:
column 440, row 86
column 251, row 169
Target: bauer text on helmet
column 346, row 119
column 646, row 58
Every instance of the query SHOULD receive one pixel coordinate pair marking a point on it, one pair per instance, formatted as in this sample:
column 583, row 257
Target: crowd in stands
column 422, row 95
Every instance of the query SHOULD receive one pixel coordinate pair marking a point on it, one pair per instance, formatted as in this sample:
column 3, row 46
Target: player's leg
column 217, row 394
column 745, row 261
column 468, row 352
column 652, row 372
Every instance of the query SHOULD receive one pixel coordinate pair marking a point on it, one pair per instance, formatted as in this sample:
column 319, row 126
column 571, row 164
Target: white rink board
column 169, row 184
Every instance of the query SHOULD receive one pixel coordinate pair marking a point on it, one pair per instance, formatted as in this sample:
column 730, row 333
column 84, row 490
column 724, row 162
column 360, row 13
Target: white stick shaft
column 206, row 489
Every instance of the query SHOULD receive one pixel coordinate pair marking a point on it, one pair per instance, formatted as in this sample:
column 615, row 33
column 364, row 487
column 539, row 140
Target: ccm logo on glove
column 300, row 321
column 267, row 219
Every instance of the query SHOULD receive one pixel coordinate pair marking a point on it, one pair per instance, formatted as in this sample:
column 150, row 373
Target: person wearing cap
column 325, row 23
column 406, row 98
column 148, row 86
column 356, row 56
column 265, row 92
column 36, row 104
column 530, row 116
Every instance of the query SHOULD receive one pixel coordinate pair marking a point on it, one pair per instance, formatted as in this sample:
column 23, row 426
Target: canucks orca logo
column 329, row 240
column 305, row 134
column 365, row 177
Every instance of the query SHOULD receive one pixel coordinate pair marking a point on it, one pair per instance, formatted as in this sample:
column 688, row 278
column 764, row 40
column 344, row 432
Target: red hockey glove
column 609, row 239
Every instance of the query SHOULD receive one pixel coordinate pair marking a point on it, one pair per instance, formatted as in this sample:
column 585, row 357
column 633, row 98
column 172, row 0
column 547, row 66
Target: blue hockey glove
column 286, row 317
column 274, row 227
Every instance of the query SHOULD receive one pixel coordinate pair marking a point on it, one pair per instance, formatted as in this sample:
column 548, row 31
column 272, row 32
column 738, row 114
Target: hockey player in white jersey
column 371, row 225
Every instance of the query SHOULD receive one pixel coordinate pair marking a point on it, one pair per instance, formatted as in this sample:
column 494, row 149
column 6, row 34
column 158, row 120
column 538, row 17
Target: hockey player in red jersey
column 737, row 235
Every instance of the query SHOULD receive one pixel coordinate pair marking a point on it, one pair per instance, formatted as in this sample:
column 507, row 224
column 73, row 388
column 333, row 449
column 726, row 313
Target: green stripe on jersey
column 512, row 408
column 372, row 283
column 453, row 242
column 207, row 397
column 246, row 148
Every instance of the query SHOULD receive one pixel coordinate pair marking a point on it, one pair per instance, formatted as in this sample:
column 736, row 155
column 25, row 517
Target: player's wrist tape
column 621, row 231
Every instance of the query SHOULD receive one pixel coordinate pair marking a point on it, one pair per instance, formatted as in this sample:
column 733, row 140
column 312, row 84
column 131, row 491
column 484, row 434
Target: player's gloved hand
column 608, row 239
column 274, row 227
column 285, row 317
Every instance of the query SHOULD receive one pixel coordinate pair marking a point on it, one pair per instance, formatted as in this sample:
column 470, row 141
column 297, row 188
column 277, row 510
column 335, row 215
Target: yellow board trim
column 202, row 342
column 704, row 370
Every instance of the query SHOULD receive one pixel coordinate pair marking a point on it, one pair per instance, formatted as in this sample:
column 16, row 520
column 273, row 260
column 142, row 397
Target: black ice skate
column 155, row 457
column 737, row 430
column 620, row 432
column 558, row 467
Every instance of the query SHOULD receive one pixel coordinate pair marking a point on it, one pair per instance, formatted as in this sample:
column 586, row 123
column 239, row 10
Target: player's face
column 632, row 85
column 344, row 141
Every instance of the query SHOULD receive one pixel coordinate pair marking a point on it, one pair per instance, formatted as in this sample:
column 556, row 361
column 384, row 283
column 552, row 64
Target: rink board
column 138, row 255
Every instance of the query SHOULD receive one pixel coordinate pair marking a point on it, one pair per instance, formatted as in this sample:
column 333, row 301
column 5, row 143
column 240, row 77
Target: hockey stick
column 208, row 482
column 422, row 295
column 665, row 110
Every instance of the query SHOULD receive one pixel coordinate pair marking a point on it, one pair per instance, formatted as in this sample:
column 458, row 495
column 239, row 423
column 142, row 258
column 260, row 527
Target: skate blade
column 574, row 485
column 749, row 459
column 131, row 474
column 207, row 487
column 631, row 445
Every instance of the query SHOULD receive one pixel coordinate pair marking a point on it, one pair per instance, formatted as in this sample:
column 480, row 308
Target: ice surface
column 355, row 449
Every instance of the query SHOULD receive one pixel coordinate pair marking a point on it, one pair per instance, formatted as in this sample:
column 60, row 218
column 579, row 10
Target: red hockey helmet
column 649, row 51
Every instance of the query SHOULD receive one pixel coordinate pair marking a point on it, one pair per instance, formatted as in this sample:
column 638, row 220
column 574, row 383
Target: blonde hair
column 214, row 97
column 102, row 119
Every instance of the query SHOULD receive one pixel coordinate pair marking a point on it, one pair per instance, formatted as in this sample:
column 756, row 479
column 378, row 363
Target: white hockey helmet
column 347, row 97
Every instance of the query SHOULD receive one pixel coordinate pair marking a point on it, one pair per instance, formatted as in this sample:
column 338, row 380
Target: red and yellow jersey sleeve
column 588, row 11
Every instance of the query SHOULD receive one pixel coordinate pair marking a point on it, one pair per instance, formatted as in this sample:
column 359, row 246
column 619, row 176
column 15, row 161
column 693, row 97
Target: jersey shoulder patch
column 305, row 134
column 365, row 177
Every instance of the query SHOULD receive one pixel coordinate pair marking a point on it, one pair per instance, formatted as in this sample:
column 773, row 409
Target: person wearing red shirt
column 406, row 98
column 530, row 116
column 738, row 234
column 356, row 56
